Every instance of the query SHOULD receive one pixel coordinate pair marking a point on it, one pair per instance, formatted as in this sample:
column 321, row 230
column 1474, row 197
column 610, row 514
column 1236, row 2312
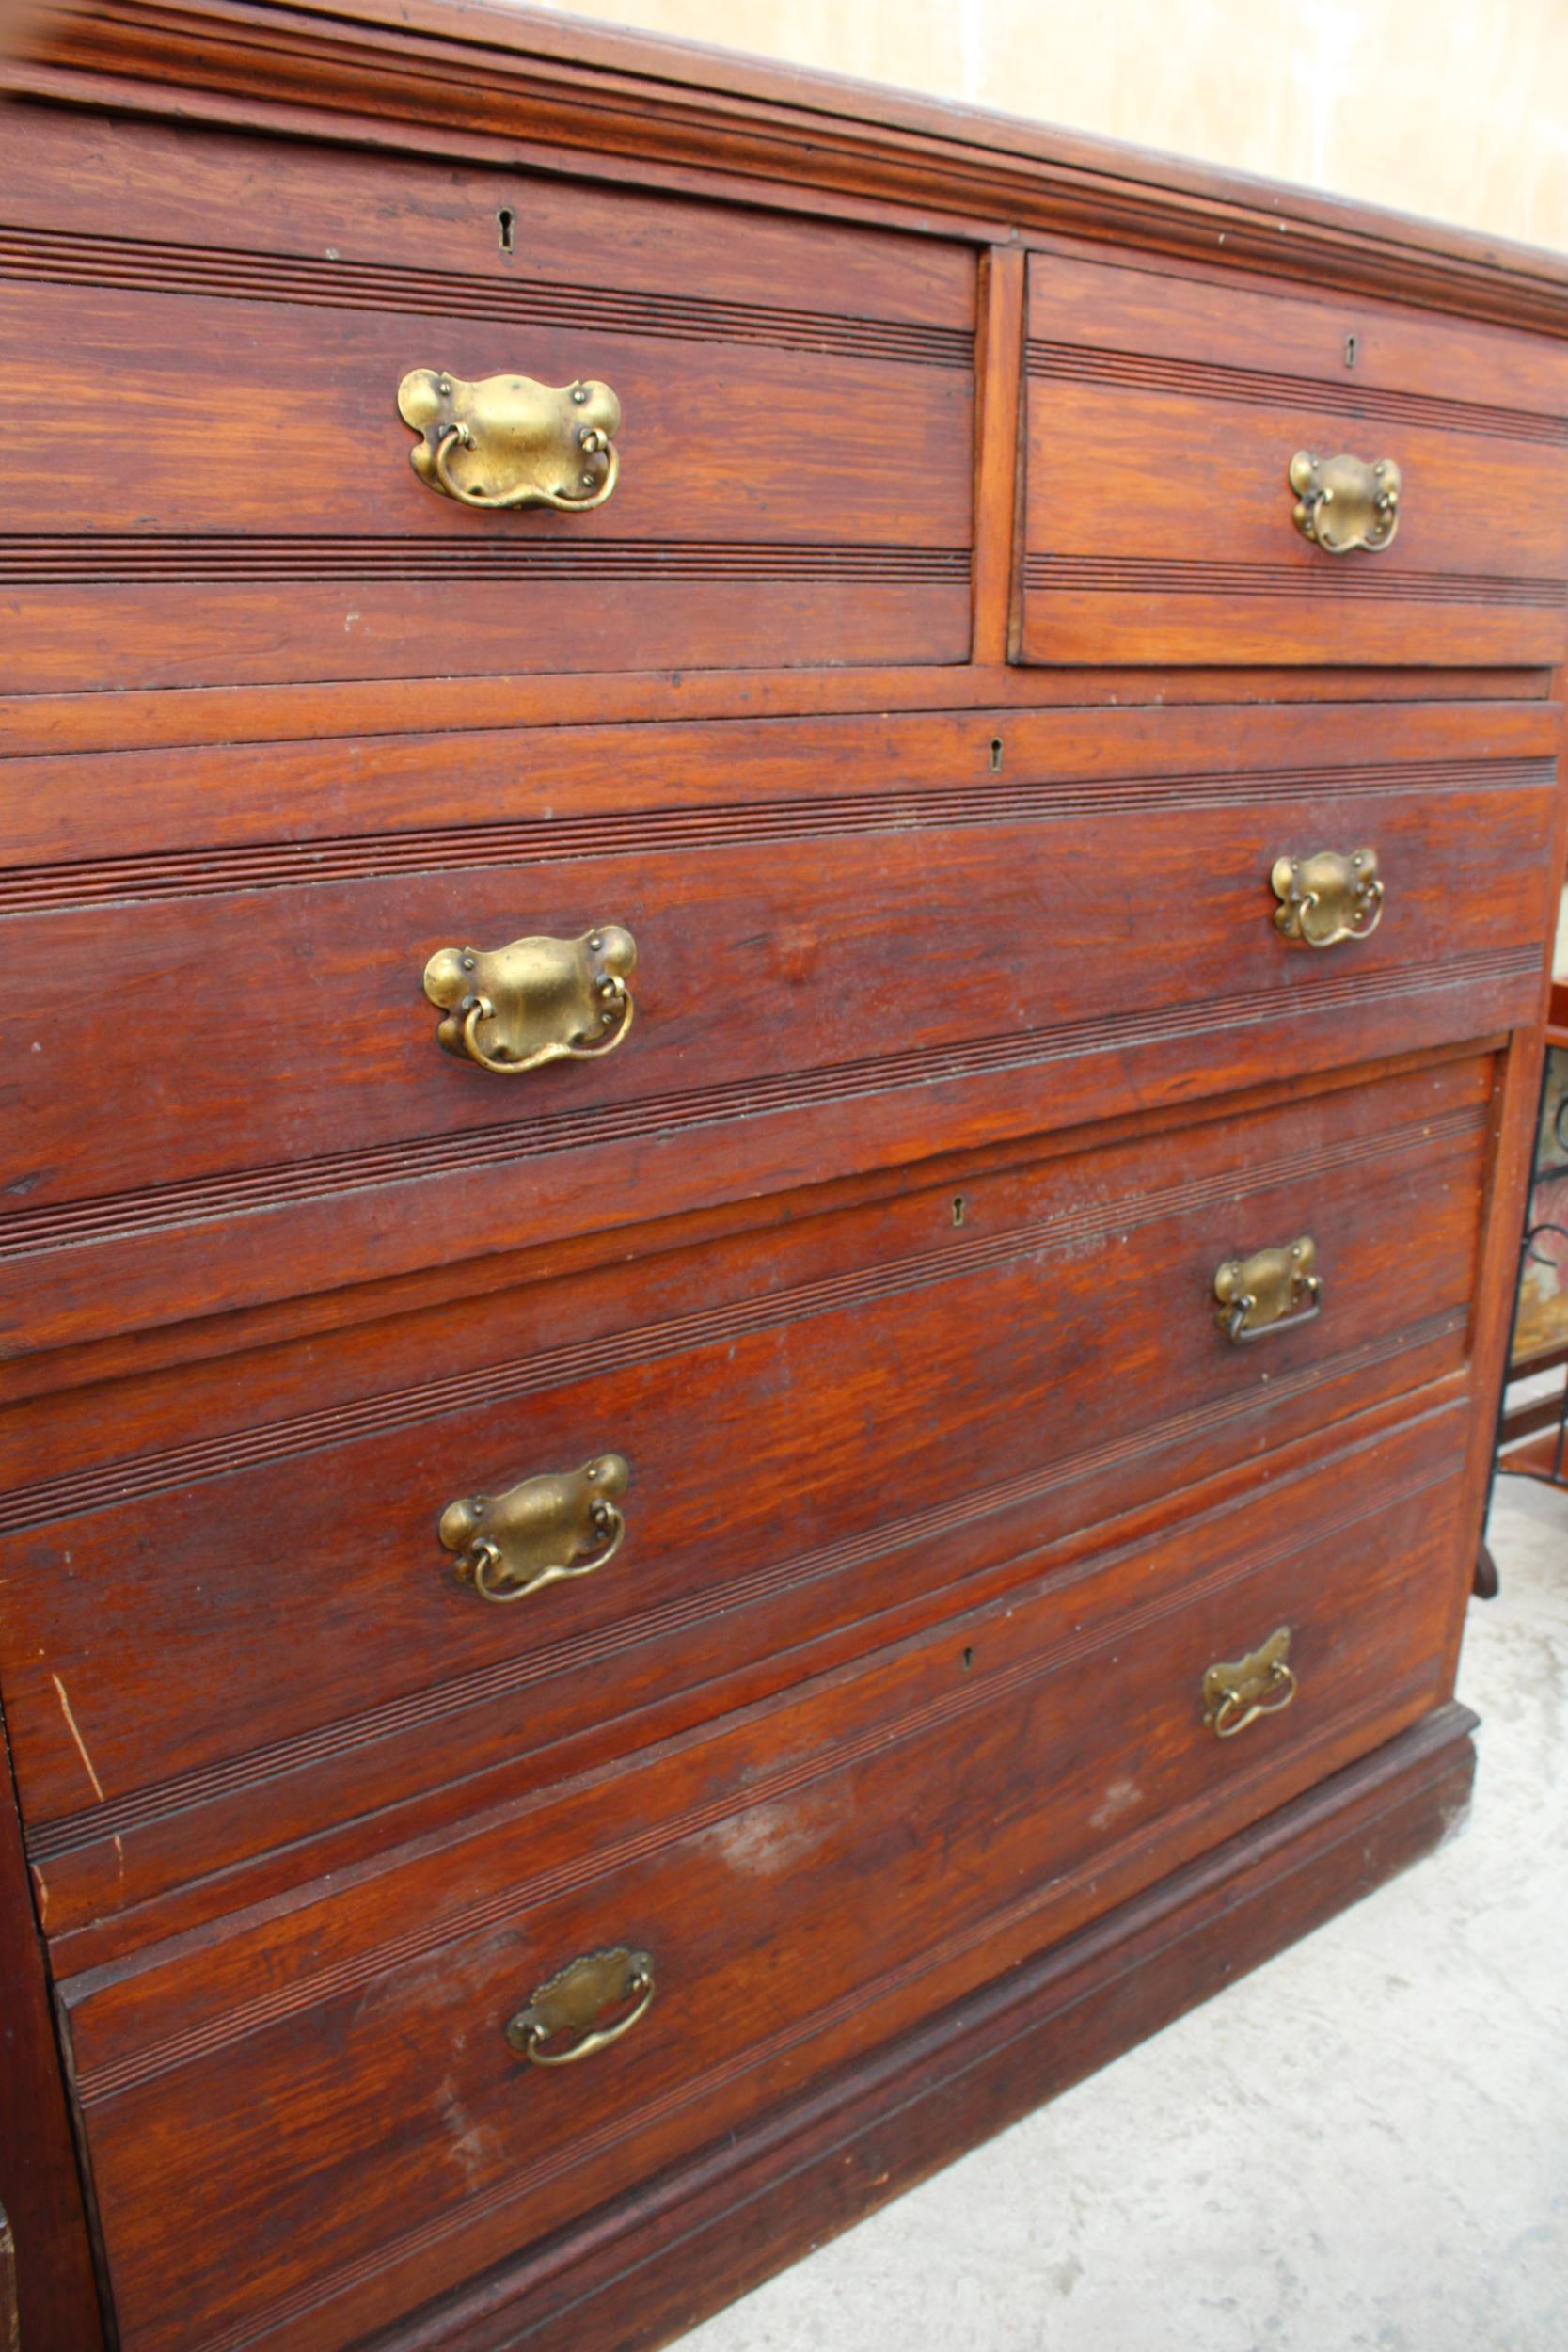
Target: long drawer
column 229, row 493
column 855, row 981
column 1164, row 508
column 334, row 2085
column 251, row 1632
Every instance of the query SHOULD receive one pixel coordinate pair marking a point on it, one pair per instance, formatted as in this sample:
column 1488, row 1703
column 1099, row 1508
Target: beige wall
column 1457, row 109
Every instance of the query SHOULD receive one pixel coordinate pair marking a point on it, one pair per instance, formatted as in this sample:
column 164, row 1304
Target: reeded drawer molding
column 659, row 1850
column 1076, row 364
column 1173, row 480
column 148, row 1475
column 754, row 956
column 193, row 871
column 607, row 1858
column 740, row 351
column 61, row 258
column 1057, row 1270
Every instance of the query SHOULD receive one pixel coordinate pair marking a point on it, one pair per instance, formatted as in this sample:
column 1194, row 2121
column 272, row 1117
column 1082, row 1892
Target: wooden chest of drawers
column 776, row 874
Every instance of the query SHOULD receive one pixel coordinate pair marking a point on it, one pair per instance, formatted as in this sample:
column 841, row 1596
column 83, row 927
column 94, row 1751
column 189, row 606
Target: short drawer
column 227, row 1081
column 335, row 2082
column 252, row 1634
column 1162, row 418
column 226, row 325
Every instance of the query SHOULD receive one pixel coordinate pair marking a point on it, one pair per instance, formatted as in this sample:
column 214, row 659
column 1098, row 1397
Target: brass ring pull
column 1327, row 899
column 1236, row 1692
column 507, row 441
column 460, row 436
column 573, row 2000
column 1345, row 504
column 1274, row 1287
column 538, row 1000
column 546, row 1531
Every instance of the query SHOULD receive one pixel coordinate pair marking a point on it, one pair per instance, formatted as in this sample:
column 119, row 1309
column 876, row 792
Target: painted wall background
column 1457, row 109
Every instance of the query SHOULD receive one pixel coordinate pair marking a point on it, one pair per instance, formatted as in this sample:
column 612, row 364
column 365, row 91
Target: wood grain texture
column 285, row 1700
column 466, row 78
column 41, row 725
column 1158, row 515
column 988, row 1683
column 966, row 1048
column 1045, row 998
column 49, row 2286
column 749, row 513
column 1002, row 297
column 660, row 2259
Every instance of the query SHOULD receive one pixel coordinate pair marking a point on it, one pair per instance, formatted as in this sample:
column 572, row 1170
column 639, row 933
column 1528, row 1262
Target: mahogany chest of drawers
column 776, row 876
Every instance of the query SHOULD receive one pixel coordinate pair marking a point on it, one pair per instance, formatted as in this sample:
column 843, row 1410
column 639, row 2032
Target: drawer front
column 252, row 1634
column 1162, row 418
column 818, row 989
column 335, row 2083
column 230, row 494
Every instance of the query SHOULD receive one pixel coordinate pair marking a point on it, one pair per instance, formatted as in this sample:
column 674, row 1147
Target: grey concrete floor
column 1362, row 2147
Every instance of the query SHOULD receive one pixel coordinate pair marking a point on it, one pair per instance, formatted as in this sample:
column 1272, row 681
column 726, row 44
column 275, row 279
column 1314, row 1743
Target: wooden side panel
column 808, row 1880
column 48, row 2293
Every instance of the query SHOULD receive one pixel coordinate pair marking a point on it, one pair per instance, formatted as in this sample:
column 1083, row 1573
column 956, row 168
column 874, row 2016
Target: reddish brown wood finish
column 1161, row 420
column 825, row 983
column 809, row 1878
column 46, row 2280
column 754, row 511
column 296, row 1666
column 703, row 2232
column 965, row 1049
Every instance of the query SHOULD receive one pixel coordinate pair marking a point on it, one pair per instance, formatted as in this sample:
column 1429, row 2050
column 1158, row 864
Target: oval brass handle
column 510, row 442
column 1274, row 1287
column 1326, row 897
column 541, row 1532
column 1343, row 503
column 1238, row 1691
column 574, row 1998
column 539, row 1000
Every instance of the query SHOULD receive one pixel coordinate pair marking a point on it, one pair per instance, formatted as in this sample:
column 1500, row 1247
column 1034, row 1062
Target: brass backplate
column 1236, row 1690
column 572, row 2001
column 1327, row 898
column 1259, row 1293
column 538, row 1000
column 550, row 1528
column 510, row 442
column 1344, row 503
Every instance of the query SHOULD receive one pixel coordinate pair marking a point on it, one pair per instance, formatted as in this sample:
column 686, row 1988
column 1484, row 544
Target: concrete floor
column 1363, row 2147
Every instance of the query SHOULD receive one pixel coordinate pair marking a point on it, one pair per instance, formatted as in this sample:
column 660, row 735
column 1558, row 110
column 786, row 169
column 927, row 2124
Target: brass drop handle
column 509, row 441
column 1272, row 1289
column 539, row 1000
column 574, row 1998
column 1235, row 1692
column 543, row 1531
column 1326, row 897
column 1345, row 504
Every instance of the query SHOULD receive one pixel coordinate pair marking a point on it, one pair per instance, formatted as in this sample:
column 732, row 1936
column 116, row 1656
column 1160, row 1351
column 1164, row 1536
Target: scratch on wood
column 81, row 1743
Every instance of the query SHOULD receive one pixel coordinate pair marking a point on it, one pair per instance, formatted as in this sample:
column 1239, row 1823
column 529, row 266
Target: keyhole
column 1350, row 351
column 969, row 1659
column 960, row 1208
column 505, row 220
column 996, row 755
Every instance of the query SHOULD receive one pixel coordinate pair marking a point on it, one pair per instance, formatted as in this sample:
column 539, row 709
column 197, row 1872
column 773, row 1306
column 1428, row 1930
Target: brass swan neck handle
column 509, row 441
column 514, row 1009
column 545, row 1531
